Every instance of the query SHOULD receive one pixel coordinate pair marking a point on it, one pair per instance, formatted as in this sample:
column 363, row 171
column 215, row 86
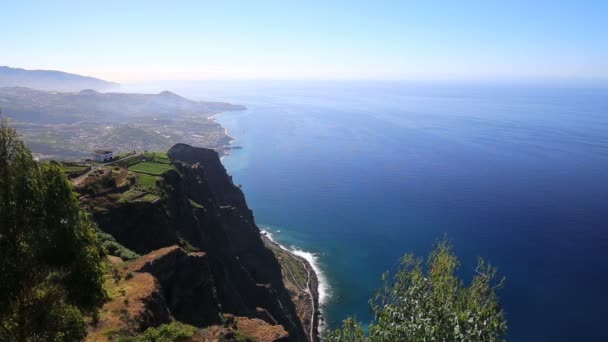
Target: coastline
column 224, row 149
column 305, row 292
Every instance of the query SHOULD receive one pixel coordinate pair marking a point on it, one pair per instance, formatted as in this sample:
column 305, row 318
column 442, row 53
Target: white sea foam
column 323, row 289
column 314, row 263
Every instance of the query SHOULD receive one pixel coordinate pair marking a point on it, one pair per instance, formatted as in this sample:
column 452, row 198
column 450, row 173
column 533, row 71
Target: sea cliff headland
column 185, row 248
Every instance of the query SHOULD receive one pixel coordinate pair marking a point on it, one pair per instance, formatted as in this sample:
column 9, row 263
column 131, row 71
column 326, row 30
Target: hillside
column 50, row 80
column 65, row 125
column 50, row 107
column 186, row 248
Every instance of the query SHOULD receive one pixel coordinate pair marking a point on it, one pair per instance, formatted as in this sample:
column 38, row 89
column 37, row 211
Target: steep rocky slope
column 202, row 248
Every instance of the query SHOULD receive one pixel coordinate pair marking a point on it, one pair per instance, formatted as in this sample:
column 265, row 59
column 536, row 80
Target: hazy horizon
column 145, row 41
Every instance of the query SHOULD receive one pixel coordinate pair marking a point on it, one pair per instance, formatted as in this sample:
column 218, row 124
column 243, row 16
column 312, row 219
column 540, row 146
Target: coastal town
column 69, row 126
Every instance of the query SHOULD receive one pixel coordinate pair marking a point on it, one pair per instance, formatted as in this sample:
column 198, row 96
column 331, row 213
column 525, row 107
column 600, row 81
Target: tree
column 432, row 303
column 50, row 258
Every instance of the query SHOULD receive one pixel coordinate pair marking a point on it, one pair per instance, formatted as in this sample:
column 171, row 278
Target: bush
column 174, row 331
column 112, row 247
column 432, row 304
column 108, row 181
column 91, row 189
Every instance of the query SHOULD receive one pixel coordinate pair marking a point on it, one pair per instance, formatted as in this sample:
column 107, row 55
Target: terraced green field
column 157, row 157
column 151, row 168
column 146, row 180
column 74, row 168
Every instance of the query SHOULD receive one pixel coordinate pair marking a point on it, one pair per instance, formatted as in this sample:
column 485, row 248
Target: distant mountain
column 53, row 107
column 50, row 80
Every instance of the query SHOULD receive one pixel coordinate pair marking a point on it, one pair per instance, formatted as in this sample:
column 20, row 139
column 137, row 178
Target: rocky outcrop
column 247, row 275
column 136, row 302
column 186, row 282
column 227, row 268
column 243, row 329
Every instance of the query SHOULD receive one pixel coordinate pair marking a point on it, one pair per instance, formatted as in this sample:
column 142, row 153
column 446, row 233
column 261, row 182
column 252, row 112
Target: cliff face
column 227, row 270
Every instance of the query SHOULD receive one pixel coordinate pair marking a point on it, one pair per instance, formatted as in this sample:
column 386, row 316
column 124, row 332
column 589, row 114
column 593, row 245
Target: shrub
column 112, row 247
column 108, row 181
column 432, row 304
column 174, row 331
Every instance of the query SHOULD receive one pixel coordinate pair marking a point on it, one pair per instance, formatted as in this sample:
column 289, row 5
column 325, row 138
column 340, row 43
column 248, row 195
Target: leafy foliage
column 174, row 331
column 350, row 332
column 112, row 247
column 433, row 304
column 50, row 259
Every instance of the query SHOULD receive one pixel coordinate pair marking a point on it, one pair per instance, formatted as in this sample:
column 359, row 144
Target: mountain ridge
column 51, row 80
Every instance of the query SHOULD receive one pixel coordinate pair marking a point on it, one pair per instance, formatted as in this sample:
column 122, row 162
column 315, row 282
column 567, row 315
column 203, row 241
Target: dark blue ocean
column 360, row 173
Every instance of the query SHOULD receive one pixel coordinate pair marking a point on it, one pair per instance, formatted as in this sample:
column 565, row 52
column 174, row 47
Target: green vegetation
column 112, row 247
column 146, row 181
column 50, row 259
column 74, row 167
column 130, row 162
column 148, row 198
column 146, row 169
column 116, row 121
column 130, row 195
column 108, row 181
column 151, row 168
column 195, row 204
column 174, row 331
column 157, row 157
column 432, row 305
column 123, row 155
column 292, row 267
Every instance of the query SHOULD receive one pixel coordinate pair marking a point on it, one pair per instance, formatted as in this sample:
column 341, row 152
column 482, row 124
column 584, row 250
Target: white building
column 103, row 155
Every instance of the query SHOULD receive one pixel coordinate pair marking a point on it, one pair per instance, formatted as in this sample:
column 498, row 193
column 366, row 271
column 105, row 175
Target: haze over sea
column 360, row 173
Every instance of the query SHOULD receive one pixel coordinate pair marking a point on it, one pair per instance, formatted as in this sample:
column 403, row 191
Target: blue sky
column 430, row 40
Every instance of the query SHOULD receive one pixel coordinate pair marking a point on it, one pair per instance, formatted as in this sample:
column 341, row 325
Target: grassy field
column 130, row 195
column 157, row 157
column 146, row 180
column 73, row 167
column 152, row 168
column 151, row 163
column 130, row 162
column 146, row 168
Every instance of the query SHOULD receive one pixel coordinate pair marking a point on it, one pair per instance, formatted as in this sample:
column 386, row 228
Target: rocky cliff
column 203, row 249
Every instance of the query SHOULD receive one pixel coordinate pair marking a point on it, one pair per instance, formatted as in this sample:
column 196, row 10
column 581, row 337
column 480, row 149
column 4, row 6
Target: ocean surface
column 358, row 173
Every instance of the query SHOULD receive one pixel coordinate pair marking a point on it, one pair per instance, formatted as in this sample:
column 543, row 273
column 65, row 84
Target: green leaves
column 428, row 302
column 174, row 331
column 350, row 332
column 50, row 257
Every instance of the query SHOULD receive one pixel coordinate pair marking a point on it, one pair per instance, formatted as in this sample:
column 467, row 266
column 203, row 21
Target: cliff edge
column 203, row 255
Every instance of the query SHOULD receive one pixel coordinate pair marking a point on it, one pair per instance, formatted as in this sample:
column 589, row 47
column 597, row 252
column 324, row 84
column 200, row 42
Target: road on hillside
column 81, row 178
